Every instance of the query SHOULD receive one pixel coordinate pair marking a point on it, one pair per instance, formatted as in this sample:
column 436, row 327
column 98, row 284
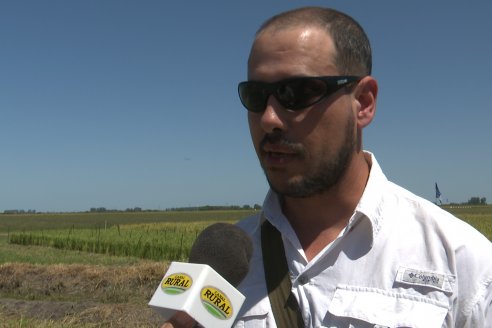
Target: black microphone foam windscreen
column 226, row 248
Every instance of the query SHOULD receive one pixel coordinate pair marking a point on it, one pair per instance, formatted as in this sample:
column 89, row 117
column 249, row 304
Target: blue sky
column 122, row 103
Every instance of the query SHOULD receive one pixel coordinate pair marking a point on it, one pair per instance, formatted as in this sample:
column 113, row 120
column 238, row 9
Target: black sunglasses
column 293, row 94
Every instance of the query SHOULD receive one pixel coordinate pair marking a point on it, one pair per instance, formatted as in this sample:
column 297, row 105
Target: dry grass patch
column 80, row 295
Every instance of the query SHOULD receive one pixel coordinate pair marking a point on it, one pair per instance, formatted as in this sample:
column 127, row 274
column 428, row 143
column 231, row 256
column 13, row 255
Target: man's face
column 303, row 153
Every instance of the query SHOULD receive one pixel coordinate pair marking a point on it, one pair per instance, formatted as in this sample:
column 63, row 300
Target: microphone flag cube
column 201, row 292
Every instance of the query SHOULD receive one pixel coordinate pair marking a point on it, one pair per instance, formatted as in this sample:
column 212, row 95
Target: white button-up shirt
column 400, row 262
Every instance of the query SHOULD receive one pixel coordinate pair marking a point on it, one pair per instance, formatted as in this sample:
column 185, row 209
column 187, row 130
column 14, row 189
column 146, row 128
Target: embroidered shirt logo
column 423, row 278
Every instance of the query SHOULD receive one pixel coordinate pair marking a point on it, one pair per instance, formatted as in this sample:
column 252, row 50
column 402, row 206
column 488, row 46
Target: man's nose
column 272, row 119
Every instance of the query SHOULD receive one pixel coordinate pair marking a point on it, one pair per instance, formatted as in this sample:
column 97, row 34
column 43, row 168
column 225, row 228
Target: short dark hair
column 353, row 49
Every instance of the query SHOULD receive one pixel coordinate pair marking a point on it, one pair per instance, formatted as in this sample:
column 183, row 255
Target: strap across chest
column 284, row 305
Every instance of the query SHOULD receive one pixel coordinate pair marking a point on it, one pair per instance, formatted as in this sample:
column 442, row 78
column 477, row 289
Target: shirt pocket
column 381, row 308
column 256, row 317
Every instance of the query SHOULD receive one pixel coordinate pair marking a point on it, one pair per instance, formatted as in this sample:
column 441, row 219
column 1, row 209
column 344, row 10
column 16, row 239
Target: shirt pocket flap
column 387, row 308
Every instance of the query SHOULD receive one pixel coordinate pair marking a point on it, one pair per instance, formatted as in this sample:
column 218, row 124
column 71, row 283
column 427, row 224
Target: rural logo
column 176, row 283
column 216, row 302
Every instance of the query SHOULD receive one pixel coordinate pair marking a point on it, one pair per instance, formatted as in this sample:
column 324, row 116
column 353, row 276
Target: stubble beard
column 323, row 176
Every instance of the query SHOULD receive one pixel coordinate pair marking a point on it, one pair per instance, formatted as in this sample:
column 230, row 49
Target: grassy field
column 100, row 269
column 155, row 241
column 59, row 283
column 32, row 222
column 478, row 216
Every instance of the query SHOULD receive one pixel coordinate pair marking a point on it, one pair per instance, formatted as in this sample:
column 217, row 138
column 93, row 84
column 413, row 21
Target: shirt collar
column 369, row 205
column 272, row 210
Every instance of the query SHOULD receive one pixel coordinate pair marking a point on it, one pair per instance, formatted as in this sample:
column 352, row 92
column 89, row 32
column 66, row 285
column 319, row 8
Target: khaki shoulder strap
column 284, row 305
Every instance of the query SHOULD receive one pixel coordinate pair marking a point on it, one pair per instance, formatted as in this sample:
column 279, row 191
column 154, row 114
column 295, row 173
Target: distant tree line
column 139, row 209
column 477, row 201
column 104, row 209
column 473, row 201
column 178, row 209
column 19, row 212
column 215, row 208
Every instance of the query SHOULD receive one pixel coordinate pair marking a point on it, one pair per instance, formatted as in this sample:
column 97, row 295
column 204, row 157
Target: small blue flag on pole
column 438, row 193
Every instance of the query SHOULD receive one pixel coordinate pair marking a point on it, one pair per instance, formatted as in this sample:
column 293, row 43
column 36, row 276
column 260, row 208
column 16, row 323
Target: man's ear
column 365, row 94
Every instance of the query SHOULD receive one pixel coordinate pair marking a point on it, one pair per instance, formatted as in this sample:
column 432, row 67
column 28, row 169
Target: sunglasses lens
column 253, row 95
column 300, row 93
column 292, row 94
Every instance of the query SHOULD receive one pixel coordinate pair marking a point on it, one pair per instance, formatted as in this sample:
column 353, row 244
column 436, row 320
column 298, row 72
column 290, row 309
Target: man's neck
column 318, row 220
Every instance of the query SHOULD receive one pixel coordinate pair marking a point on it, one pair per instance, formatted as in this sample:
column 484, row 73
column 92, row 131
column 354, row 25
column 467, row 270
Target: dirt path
column 80, row 294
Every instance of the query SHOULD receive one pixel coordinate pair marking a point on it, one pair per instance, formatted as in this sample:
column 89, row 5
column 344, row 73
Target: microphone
column 226, row 248
column 204, row 288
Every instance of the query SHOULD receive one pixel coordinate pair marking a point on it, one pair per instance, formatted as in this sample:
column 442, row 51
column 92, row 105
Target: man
column 360, row 251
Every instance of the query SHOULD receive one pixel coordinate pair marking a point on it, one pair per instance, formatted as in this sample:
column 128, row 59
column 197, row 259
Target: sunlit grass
column 11, row 253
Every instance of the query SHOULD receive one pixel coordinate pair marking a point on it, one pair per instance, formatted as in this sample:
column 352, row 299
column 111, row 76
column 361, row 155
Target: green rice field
column 155, row 236
column 148, row 235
